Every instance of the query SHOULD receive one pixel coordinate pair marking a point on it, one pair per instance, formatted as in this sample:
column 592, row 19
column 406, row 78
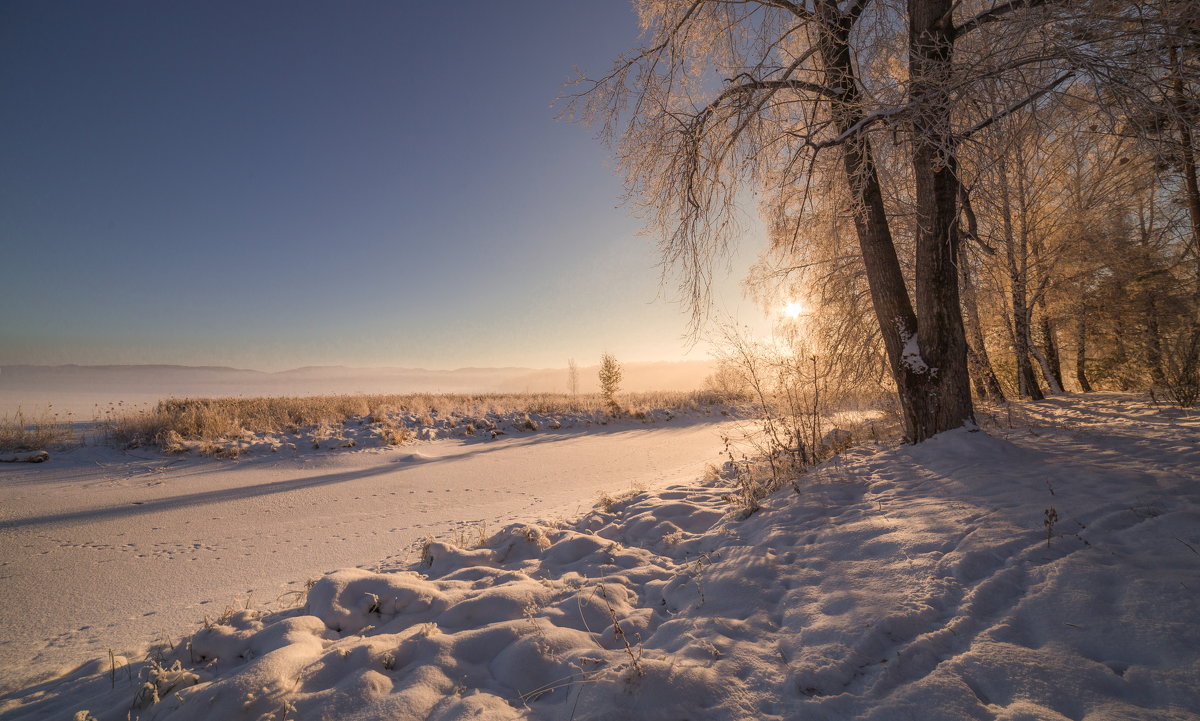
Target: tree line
column 997, row 198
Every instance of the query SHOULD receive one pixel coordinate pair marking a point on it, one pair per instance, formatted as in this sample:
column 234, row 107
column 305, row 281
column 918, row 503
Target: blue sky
column 277, row 184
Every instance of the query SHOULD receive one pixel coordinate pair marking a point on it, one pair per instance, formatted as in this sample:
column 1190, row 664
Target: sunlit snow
column 909, row 582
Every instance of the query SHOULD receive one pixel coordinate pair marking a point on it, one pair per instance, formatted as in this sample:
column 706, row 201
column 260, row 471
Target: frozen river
column 102, row 549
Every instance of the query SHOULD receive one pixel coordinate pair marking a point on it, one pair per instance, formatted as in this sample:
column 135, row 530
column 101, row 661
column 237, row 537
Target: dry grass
column 214, row 419
column 33, row 433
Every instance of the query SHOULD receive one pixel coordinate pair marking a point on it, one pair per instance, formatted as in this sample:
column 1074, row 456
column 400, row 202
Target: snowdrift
column 1050, row 575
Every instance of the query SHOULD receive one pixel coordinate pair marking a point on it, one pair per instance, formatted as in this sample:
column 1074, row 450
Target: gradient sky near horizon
column 278, row 184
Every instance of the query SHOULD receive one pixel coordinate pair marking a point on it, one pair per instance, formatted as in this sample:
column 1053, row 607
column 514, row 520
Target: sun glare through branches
column 795, row 309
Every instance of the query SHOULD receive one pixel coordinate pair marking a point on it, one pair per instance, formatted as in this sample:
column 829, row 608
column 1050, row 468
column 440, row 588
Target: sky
column 277, row 184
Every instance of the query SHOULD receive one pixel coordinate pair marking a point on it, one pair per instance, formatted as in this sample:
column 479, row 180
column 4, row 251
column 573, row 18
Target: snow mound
column 926, row 582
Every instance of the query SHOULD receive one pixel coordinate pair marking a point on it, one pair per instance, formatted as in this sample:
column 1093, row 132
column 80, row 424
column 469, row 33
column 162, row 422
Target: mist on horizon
column 86, row 391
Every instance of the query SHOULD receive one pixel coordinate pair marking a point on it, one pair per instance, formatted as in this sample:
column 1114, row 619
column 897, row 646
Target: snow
column 910, row 355
column 102, row 548
column 907, row 582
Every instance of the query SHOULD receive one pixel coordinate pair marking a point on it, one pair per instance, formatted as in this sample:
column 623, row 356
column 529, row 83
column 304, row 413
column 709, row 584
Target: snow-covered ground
column 1046, row 569
column 107, row 549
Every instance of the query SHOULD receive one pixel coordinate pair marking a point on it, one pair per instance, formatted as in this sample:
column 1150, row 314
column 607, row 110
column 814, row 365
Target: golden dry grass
column 214, row 419
column 32, row 433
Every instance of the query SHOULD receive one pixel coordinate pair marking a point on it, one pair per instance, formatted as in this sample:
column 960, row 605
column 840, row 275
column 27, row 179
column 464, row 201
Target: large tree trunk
column 941, row 348
column 921, row 403
column 928, row 359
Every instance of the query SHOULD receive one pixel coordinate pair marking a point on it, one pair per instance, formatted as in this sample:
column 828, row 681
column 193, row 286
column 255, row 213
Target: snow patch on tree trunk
column 910, row 357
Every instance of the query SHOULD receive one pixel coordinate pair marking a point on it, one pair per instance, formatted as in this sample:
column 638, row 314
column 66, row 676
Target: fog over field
column 79, row 389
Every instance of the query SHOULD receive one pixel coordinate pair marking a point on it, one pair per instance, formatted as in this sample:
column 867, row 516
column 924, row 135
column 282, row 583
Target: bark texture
column 942, row 344
column 889, row 296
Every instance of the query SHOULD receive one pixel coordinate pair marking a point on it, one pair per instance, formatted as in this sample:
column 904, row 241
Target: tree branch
column 994, row 14
column 1017, row 105
column 862, row 124
column 646, row 52
column 788, row 84
column 856, row 9
column 791, row 7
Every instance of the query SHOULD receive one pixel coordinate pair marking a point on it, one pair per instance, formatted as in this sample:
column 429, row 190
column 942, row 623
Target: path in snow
column 101, row 549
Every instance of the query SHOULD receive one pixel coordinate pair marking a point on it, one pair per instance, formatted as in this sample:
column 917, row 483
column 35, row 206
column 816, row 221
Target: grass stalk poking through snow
column 1051, row 518
column 635, row 659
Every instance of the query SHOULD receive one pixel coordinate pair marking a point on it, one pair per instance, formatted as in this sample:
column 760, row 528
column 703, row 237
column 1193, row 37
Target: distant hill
column 85, row 390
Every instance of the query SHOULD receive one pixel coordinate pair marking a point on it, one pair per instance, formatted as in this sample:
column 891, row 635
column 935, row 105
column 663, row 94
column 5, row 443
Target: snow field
column 147, row 546
column 916, row 582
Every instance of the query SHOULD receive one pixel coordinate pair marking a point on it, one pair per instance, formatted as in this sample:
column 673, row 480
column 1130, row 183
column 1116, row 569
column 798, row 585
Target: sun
column 794, row 309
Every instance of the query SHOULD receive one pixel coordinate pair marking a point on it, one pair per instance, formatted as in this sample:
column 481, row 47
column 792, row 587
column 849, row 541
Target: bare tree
column 572, row 377
column 983, row 375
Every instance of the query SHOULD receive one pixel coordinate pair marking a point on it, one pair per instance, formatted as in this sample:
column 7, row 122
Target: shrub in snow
column 610, row 380
column 163, row 681
column 171, row 442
